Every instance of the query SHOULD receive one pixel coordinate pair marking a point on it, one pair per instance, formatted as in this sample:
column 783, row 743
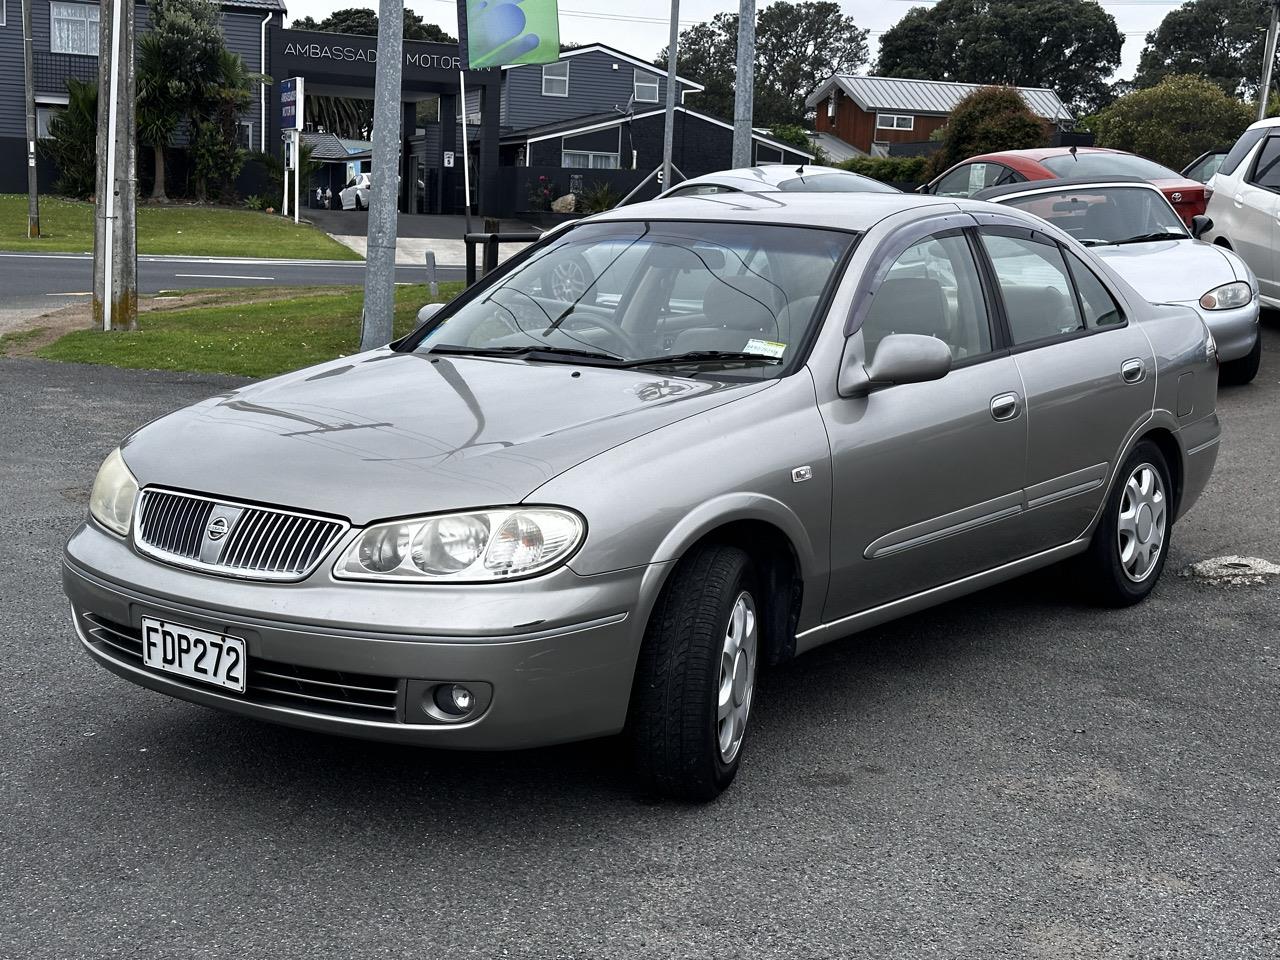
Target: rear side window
column 1039, row 299
column 1266, row 171
column 1100, row 308
column 967, row 180
column 1235, row 156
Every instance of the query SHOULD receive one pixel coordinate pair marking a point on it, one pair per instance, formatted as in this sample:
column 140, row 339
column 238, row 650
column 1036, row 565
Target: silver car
column 1131, row 226
column 534, row 520
column 779, row 178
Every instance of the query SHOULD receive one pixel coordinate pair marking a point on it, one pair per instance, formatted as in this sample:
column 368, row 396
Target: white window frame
column 3, row 5
column 558, row 65
column 639, row 78
column 44, row 116
column 248, row 124
column 831, row 106
column 87, row 13
column 893, row 121
column 591, row 157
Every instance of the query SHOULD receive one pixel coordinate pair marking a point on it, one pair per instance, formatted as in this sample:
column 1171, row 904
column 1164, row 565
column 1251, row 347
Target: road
column 1013, row 775
column 37, row 282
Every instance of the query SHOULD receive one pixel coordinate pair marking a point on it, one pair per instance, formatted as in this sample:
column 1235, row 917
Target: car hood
column 388, row 434
column 1170, row 271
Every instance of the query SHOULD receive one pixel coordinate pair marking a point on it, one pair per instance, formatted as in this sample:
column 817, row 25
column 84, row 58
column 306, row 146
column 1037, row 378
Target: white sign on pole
column 448, row 158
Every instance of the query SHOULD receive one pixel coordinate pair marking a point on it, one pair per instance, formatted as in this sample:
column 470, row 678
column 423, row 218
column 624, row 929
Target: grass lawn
column 257, row 339
column 67, row 227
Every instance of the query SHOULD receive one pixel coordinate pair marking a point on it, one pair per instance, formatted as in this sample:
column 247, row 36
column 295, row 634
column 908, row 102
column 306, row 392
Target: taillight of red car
column 1189, row 201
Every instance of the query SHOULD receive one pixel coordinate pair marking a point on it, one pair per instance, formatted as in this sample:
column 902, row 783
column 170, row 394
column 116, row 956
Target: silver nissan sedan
column 535, row 520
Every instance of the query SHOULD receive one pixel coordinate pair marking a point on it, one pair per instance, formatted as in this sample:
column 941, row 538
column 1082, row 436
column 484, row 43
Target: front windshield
column 1103, row 215
column 735, row 296
column 834, row 183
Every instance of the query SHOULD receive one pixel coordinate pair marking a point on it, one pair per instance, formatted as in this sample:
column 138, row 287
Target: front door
column 1088, row 376
column 1255, row 227
column 927, row 476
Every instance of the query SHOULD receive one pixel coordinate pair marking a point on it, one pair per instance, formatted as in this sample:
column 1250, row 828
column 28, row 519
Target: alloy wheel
column 1142, row 523
column 568, row 281
column 737, row 677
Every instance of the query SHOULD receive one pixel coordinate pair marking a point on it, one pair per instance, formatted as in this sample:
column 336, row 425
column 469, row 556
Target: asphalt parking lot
column 1012, row 775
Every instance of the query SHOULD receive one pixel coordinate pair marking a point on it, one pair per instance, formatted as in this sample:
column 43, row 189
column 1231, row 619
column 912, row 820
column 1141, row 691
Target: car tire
column 359, row 205
column 694, row 685
column 1242, row 371
column 1127, row 553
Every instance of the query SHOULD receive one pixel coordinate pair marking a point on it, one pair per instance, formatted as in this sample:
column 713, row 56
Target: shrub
column 598, row 197
column 793, row 135
column 72, row 143
column 989, row 119
column 888, row 169
column 255, row 202
column 1173, row 122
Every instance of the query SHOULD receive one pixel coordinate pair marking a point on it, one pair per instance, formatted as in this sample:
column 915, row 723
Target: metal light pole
column 669, row 134
column 33, row 196
column 380, row 259
column 1268, row 59
column 744, row 84
column 115, row 237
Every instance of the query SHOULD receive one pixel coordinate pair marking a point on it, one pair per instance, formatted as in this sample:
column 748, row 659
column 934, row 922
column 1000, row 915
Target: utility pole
column 380, row 257
column 115, row 237
column 669, row 134
column 1268, row 59
column 33, row 188
column 744, row 84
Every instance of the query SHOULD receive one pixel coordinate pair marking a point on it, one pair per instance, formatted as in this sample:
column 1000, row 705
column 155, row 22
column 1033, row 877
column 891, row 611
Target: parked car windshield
column 1085, row 164
column 700, row 296
column 1102, row 215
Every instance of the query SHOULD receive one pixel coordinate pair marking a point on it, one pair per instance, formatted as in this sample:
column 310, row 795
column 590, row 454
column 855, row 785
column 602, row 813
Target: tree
column 178, row 59
column 363, row 22
column 72, row 141
column 987, row 120
column 216, row 154
column 1220, row 40
column 798, row 45
column 1173, row 122
column 1070, row 46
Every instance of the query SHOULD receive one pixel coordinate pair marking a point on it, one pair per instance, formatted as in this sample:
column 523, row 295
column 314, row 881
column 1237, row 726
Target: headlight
column 114, row 492
column 1229, row 295
column 477, row 547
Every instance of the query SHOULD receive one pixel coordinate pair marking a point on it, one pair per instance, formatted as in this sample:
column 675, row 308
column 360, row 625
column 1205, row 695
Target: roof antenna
column 1072, row 151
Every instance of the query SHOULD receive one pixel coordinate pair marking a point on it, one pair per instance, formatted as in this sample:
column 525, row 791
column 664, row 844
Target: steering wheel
column 609, row 326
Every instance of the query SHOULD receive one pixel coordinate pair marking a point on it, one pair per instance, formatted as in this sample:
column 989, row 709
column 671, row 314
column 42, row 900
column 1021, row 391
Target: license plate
column 195, row 654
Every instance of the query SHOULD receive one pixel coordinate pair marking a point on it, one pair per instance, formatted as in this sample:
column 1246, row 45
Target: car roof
column 1268, row 122
column 1043, row 153
column 767, row 176
column 840, row 211
column 1065, row 183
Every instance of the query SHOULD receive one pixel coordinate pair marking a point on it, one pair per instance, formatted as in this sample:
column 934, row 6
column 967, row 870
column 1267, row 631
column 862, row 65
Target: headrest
column 910, row 305
column 741, row 303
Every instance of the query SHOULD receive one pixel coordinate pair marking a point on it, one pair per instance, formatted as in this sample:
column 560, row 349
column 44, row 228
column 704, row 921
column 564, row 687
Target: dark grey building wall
column 594, row 87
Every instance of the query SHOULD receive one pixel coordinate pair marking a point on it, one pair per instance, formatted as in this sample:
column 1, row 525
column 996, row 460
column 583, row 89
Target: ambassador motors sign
column 343, row 53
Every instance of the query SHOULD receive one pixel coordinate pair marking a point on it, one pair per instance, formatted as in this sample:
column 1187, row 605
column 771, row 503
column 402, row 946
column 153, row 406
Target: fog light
column 462, row 699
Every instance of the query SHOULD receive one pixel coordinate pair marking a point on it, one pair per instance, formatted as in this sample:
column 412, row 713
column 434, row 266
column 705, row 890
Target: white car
column 355, row 195
column 779, row 178
column 1130, row 224
column 1245, row 205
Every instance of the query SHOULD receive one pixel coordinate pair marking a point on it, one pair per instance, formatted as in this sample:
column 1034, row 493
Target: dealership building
column 592, row 117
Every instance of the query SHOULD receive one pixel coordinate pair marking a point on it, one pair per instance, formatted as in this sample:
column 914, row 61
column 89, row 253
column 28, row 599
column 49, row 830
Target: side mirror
column 429, row 311
column 900, row 358
column 1200, row 225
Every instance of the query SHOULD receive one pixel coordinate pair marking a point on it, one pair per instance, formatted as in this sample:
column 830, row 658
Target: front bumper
column 1234, row 331
column 556, row 654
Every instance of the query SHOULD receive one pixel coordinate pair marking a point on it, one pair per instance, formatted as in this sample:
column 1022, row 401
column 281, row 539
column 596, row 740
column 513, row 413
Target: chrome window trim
column 239, row 573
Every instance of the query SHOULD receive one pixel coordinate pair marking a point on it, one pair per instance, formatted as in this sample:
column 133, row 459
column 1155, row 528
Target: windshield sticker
column 766, row 348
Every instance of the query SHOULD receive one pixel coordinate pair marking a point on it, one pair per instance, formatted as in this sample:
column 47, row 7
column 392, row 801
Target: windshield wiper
column 532, row 352
column 702, row 357
column 1149, row 237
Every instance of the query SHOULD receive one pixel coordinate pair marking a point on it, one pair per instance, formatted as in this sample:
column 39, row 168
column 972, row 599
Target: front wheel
column 695, row 679
column 1242, row 371
column 1130, row 545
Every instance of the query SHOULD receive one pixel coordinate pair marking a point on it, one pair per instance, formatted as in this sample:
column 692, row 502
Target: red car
column 1189, row 197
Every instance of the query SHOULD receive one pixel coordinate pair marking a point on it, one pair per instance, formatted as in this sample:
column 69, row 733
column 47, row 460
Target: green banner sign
column 501, row 33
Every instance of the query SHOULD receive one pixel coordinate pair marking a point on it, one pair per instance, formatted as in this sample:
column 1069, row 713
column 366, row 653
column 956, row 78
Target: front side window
column 652, row 291
column 966, row 180
column 646, row 87
column 1106, row 215
column 1204, row 168
column 1035, row 286
column 74, row 28
column 555, row 79
column 932, row 289
column 895, row 121
column 1266, row 171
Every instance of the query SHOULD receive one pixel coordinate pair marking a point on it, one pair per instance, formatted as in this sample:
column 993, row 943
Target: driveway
column 1011, row 775
column 415, row 234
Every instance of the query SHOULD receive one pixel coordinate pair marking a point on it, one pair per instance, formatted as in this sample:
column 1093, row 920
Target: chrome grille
column 222, row 536
column 336, row 693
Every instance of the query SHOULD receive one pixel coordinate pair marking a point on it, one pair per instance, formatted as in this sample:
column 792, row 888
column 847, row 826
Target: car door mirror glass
column 900, row 358
column 1200, row 225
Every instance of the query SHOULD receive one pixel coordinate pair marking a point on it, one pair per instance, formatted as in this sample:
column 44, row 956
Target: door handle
column 1005, row 406
column 1239, row 199
column 1133, row 371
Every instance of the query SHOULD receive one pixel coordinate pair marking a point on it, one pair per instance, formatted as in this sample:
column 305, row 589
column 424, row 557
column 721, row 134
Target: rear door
column 1255, row 229
column 1088, row 375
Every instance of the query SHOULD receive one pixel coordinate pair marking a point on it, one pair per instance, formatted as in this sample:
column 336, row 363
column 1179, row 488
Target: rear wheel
column 1242, row 371
column 1130, row 545
column 695, row 680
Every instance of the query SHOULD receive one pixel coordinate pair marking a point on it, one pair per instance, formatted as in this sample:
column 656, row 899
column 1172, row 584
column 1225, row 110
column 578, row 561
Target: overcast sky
column 643, row 34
